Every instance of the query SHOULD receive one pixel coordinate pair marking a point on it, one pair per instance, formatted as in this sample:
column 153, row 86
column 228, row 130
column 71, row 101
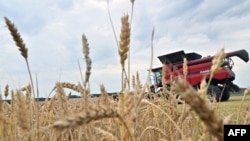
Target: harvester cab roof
column 177, row 57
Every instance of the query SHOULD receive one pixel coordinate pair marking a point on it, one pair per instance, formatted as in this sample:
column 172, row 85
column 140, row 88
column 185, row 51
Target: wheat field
column 130, row 117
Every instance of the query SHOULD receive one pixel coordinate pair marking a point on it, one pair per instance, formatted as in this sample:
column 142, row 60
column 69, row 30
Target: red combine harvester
column 198, row 69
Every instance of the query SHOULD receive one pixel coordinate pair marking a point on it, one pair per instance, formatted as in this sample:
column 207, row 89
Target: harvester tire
column 214, row 92
column 226, row 95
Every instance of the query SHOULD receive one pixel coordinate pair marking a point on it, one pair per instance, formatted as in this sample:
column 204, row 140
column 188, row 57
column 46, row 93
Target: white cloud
column 52, row 31
column 198, row 39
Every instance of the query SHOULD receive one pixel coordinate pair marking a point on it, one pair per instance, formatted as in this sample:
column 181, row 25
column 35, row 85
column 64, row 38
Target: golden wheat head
column 201, row 107
column 87, row 58
column 17, row 37
column 218, row 60
column 124, row 40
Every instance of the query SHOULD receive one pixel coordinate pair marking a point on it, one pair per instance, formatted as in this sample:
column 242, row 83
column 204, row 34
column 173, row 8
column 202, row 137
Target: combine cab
column 198, row 69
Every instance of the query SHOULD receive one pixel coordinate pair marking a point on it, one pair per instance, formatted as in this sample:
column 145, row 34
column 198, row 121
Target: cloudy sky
column 52, row 32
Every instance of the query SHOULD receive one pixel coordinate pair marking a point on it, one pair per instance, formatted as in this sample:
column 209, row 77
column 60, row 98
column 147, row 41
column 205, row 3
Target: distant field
column 224, row 109
column 233, row 107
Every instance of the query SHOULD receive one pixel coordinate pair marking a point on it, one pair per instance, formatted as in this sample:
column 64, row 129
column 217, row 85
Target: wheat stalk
column 246, row 92
column 111, row 22
column 167, row 115
column 149, row 72
column 129, row 58
column 163, row 79
column 1, row 103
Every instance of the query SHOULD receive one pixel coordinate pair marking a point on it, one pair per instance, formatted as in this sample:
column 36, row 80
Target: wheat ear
column 216, row 63
column 124, row 40
column 22, row 48
column 88, row 61
column 152, row 128
column 91, row 114
column 22, row 112
column 163, row 79
column 185, row 67
column 17, row 38
column 71, row 86
column 124, row 46
column 201, row 107
column 218, row 60
column 105, row 135
column 62, row 97
column 6, row 91
column 103, row 100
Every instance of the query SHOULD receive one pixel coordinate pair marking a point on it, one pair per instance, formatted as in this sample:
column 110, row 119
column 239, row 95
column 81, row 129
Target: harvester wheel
column 213, row 92
column 226, row 95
